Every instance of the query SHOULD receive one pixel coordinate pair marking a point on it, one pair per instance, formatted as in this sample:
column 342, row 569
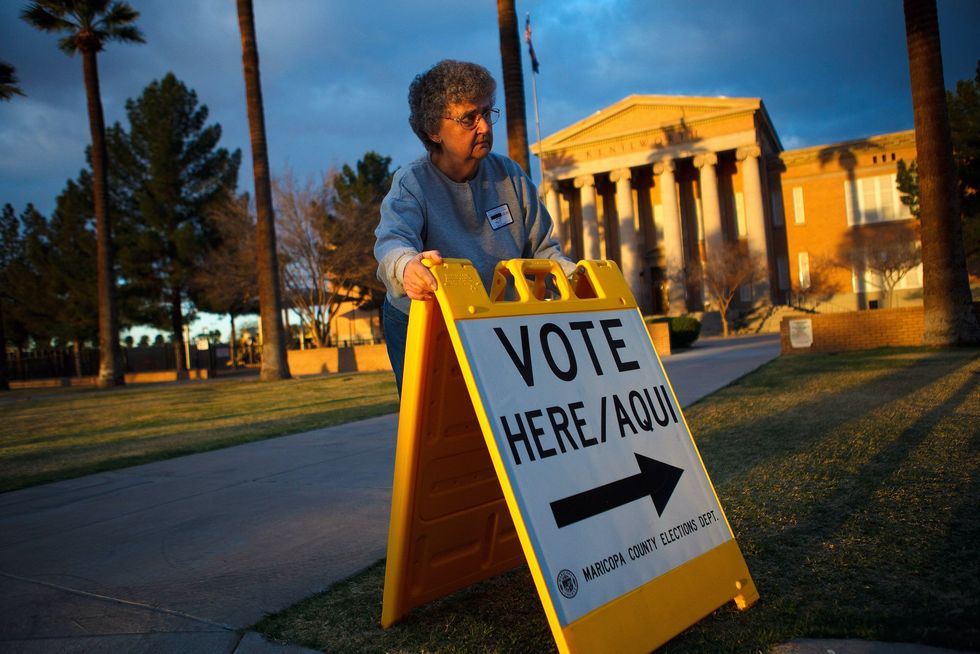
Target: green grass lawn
column 51, row 434
column 852, row 483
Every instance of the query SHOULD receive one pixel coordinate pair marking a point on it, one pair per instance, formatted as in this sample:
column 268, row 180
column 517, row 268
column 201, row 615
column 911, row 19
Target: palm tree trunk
column 76, row 355
column 177, row 326
column 232, row 344
column 510, row 60
column 110, row 373
column 947, row 304
column 274, row 362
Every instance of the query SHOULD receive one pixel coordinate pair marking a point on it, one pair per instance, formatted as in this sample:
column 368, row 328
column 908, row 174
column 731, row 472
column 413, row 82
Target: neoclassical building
column 659, row 183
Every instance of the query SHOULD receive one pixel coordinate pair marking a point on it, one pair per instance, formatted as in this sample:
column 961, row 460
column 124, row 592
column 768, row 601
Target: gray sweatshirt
column 495, row 216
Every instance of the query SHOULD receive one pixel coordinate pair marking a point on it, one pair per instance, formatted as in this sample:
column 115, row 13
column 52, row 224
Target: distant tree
column 513, row 73
column 305, row 236
column 907, row 181
column 8, row 82
column 358, row 196
column 30, row 296
column 229, row 284
column 9, row 230
column 886, row 253
column 68, row 267
column 51, row 280
column 725, row 270
column 947, row 303
column 275, row 364
column 10, row 250
column 168, row 171
column 88, row 25
column 327, row 239
column 964, row 124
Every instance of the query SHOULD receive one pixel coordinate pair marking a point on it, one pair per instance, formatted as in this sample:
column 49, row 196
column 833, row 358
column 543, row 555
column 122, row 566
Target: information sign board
column 608, row 496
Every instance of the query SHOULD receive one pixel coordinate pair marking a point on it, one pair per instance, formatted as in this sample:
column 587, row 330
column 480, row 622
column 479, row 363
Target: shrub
column 684, row 330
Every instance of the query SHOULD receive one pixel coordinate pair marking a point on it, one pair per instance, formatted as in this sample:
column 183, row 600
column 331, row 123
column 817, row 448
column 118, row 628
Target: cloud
column 335, row 74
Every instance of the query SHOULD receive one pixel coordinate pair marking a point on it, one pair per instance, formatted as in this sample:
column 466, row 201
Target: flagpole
column 537, row 126
column 534, row 93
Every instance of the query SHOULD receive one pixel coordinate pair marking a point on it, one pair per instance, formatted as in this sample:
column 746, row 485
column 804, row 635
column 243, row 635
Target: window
column 782, row 269
column 776, row 200
column 803, row 260
column 799, row 216
column 873, row 200
column 866, row 280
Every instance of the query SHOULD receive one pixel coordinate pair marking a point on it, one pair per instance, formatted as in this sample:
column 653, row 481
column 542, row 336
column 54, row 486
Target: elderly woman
column 458, row 200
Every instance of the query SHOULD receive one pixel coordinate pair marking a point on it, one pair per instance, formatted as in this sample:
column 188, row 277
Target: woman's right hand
column 419, row 283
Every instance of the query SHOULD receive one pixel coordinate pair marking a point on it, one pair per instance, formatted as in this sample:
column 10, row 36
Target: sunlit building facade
column 657, row 183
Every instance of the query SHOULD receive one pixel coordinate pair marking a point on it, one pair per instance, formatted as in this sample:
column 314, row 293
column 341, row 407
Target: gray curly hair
column 448, row 82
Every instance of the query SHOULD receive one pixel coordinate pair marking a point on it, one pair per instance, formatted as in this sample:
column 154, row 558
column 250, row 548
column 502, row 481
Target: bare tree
column 725, row 270
column 887, row 252
column 327, row 238
column 304, row 239
column 817, row 284
column 229, row 284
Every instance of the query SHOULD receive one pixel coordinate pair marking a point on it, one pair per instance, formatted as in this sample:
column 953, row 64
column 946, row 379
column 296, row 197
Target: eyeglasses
column 470, row 120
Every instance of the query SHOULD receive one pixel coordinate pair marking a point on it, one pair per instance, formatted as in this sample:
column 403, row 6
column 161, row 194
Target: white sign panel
column 801, row 332
column 609, row 484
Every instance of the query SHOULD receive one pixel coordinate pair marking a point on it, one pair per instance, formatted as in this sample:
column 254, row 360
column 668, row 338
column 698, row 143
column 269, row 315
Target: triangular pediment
column 638, row 114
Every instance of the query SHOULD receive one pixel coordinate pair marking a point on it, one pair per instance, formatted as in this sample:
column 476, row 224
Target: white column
column 710, row 205
column 755, row 216
column 590, row 220
column 551, row 203
column 673, row 244
column 628, row 251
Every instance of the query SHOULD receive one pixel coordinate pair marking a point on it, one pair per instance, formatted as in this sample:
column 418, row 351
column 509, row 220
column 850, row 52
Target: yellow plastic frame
column 434, row 549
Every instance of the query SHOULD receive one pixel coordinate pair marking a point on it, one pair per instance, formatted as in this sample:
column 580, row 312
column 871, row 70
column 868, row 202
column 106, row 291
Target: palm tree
column 8, row 82
column 87, row 26
column 274, row 362
column 949, row 317
column 510, row 60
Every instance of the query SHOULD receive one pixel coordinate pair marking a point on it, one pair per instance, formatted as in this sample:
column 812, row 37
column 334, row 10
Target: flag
column 530, row 46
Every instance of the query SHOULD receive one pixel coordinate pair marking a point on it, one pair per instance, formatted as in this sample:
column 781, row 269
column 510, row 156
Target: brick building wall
column 318, row 361
column 858, row 330
column 817, row 178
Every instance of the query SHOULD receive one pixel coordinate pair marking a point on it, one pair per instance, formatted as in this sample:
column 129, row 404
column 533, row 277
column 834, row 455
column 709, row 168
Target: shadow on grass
column 859, row 540
column 775, row 435
column 852, row 494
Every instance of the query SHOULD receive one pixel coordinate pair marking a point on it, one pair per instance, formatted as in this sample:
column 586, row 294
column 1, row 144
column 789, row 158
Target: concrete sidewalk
column 182, row 555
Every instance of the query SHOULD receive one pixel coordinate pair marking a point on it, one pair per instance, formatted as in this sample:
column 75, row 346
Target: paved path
column 179, row 555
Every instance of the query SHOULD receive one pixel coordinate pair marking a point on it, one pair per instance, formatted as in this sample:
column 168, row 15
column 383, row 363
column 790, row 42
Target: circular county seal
column 567, row 584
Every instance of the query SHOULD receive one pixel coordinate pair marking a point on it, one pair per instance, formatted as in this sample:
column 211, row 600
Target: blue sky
column 335, row 73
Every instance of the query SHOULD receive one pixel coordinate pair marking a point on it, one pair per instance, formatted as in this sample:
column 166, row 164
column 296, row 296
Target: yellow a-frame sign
column 544, row 429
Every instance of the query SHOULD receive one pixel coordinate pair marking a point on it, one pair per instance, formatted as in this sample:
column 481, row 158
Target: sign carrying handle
column 530, row 278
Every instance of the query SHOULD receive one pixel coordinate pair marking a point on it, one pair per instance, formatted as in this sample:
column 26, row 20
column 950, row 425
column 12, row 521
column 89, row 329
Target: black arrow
column 656, row 479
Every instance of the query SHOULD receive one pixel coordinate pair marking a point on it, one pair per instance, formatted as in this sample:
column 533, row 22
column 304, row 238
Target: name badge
column 499, row 217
